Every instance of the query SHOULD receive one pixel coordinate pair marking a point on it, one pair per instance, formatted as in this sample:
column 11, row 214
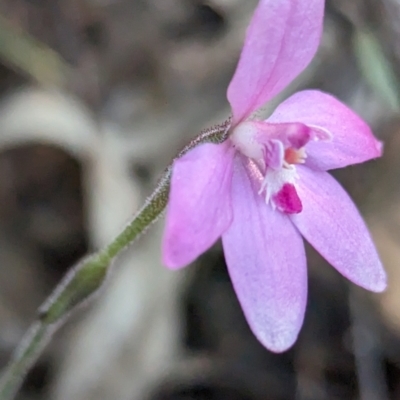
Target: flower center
column 276, row 149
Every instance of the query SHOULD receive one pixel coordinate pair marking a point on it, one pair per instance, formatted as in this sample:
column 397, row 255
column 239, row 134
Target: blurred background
column 96, row 97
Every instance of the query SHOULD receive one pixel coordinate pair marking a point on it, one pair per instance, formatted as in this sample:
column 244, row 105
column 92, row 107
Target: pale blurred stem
column 34, row 59
column 85, row 278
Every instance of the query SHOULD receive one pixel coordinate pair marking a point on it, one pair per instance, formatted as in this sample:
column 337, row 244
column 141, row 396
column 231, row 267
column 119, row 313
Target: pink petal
column 352, row 140
column 281, row 40
column 199, row 208
column 266, row 262
column 331, row 223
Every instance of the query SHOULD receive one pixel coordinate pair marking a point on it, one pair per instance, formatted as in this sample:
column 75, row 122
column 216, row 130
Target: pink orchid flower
column 266, row 186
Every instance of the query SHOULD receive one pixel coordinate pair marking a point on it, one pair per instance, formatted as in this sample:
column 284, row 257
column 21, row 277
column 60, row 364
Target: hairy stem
column 88, row 276
column 22, row 360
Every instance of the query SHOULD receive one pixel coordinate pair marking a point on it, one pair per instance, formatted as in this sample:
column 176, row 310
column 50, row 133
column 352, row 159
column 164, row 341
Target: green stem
column 78, row 285
column 84, row 279
column 153, row 207
column 22, row 361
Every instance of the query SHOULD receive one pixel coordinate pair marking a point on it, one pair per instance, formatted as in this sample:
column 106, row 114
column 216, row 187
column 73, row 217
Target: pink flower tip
column 379, row 285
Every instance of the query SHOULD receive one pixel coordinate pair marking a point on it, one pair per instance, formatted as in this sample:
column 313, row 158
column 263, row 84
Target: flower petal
column 332, row 224
column 266, row 262
column 352, row 140
column 281, row 40
column 199, row 208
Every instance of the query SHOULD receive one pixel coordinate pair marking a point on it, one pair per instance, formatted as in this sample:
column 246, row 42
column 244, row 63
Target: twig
column 33, row 58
